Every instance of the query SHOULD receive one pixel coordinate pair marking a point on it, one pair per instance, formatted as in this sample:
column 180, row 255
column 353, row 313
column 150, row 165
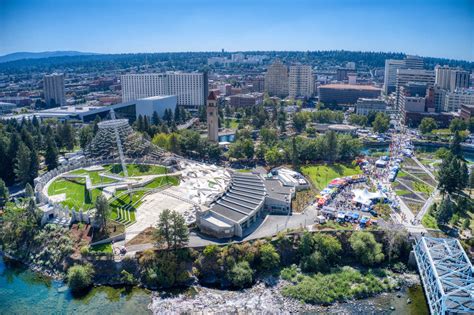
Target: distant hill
column 39, row 55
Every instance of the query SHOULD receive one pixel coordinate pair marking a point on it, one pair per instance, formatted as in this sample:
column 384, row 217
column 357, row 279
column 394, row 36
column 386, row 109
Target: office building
column 190, row 88
column 467, row 111
column 130, row 110
column 246, row 100
column 415, row 78
column 276, row 79
column 390, row 76
column 54, row 92
column 413, row 62
column 346, row 93
column 300, row 81
column 451, row 78
column 366, row 105
column 212, row 118
column 454, row 100
column 6, row 108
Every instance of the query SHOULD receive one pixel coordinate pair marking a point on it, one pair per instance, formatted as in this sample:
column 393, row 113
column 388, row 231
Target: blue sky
column 428, row 28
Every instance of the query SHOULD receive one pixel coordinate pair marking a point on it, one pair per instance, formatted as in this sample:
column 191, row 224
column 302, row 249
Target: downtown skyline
column 426, row 28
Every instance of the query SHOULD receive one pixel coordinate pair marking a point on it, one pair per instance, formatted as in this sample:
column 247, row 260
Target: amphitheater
column 138, row 179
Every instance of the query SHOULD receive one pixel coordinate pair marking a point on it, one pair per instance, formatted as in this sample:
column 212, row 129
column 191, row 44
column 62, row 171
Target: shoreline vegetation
column 308, row 261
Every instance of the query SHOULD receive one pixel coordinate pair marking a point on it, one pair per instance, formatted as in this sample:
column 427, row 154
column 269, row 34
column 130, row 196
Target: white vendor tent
column 365, row 197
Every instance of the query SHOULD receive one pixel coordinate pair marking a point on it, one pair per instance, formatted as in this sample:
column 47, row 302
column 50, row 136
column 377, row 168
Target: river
column 24, row 292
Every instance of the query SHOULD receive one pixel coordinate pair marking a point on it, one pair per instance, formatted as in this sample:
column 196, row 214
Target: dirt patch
column 145, row 237
column 80, row 235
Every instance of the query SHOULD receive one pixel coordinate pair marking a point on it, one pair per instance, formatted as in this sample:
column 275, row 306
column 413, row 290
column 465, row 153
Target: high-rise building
column 414, row 62
column 276, row 79
column 454, row 100
column 301, row 81
column 54, row 92
column 212, row 118
column 190, row 88
column 451, row 78
column 390, row 78
column 460, row 79
column 414, row 77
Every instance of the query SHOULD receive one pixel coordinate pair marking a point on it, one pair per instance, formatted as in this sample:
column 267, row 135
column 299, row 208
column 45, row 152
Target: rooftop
column 338, row 86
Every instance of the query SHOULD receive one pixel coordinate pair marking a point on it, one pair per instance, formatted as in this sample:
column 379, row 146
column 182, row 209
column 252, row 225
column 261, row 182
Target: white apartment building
column 451, row 78
column 54, row 92
column 189, row 88
column 405, row 76
column 276, row 79
column 300, row 83
column 454, row 100
column 366, row 105
column 390, row 76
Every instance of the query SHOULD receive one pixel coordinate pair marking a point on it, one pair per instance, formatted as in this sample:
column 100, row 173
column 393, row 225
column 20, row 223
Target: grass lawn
column 131, row 206
column 422, row 187
column 445, row 132
column 136, row 169
column 77, row 195
column 95, row 178
column 244, row 170
column 402, row 192
column 429, row 222
column 102, row 248
column 321, row 175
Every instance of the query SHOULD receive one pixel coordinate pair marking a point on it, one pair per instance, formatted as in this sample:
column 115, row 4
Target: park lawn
column 244, row 170
column 102, row 248
column 136, row 169
column 136, row 201
column 234, row 124
column 422, row 187
column 94, row 175
column 402, row 192
column 402, row 174
column 445, row 132
column 429, row 222
column 321, row 175
column 77, row 195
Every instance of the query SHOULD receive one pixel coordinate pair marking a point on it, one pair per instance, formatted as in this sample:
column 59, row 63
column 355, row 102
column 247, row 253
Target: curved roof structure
column 242, row 199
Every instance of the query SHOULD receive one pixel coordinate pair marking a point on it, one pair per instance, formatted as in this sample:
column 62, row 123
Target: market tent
column 365, row 197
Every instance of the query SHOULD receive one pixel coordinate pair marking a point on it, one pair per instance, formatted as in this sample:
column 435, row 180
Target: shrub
column 241, row 275
column 269, row 258
column 367, row 250
column 80, row 277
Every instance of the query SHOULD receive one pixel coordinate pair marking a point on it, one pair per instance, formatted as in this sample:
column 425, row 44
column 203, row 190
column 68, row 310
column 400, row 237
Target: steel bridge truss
column 447, row 275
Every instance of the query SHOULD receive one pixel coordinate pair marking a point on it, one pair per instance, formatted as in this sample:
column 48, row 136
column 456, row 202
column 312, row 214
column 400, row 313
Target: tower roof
column 212, row 96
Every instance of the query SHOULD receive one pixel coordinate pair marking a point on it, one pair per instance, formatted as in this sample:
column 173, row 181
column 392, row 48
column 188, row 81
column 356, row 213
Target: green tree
column 273, row 156
column 466, row 224
column 102, row 211
column 85, row 136
column 269, row 257
column 171, row 230
column 331, row 146
column 455, row 146
column 367, row 250
column 427, row 125
column 457, row 125
column 381, row 123
column 445, row 211
column 241, row 275
column 79, row 277
column 22, row 164
column 299, row 121
column 4, row 195
column 51, row 154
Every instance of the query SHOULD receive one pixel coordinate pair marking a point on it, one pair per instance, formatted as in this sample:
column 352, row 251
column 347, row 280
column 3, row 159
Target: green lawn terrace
column 72, row 189
column 124, row 204
column 321, row 175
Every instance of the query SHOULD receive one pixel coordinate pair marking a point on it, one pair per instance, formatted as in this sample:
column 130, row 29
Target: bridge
column 447, row 275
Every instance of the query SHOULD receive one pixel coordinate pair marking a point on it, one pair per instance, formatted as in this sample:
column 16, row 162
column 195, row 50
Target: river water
column 24, row 292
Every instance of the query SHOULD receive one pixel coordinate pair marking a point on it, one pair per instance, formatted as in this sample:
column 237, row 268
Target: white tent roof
column 365, row 197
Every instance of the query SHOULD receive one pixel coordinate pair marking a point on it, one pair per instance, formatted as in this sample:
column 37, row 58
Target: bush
column 80, row 277
column 241, row 275
column 367, row 250
column 269, row 258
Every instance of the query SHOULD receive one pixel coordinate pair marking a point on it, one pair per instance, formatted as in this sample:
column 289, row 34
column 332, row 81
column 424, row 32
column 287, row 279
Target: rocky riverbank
column 265, row 298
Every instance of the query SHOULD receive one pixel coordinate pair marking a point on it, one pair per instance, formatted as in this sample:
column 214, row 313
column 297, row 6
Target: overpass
column 447, row 275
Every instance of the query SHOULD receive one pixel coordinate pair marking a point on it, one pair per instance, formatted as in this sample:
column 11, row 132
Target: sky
column 421, row 27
